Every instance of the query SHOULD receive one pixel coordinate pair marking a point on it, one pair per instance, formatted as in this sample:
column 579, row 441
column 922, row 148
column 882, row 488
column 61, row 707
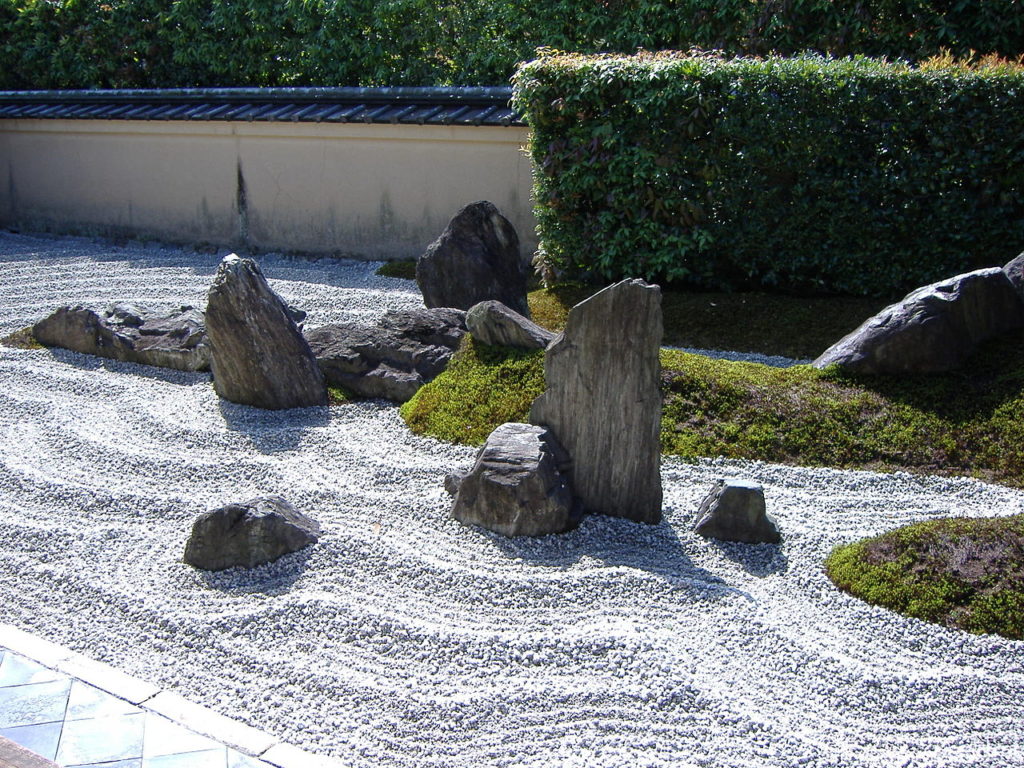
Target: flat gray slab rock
column 392, row 359
column 491, row 322
column 735, row 511
column 517, row 486
column 932, row 329
column 259, row 356
column 603, row 400
column 476, row 258
column 131, row 334
column 248, row 534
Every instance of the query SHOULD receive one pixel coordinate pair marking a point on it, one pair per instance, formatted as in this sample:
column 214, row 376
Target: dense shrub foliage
column 848, row 175
column 167, row 43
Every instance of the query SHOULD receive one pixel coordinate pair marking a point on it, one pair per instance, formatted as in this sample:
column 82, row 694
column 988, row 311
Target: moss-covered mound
column 967, row 422
column 482, row 388
column 963, row 573
column 962, row 423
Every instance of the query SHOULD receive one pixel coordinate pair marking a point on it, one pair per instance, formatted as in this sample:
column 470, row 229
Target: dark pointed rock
column 1014, row 270
column 131, row 334
column 476, row 258
column 259, row 356
column 735, row 511
column 932, row 329
column 517, row 486
column 392, row 359
column 248, row 534
column 603, row 400
column 491, row 322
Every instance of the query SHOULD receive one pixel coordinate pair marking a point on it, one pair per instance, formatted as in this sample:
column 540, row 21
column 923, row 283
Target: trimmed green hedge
column 173, row 43
column 853, row 176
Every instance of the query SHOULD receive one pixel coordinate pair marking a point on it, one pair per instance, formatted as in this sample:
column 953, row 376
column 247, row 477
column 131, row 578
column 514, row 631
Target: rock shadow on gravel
column 617, row 542
column 270, row 579
column 273, row 431
column 758, row 560
column 94, row 363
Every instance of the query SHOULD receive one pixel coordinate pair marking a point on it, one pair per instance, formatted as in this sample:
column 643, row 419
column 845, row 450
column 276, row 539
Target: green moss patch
column 22, row 339
column 482, row 388
column 963, row 573
column 961, row 423
column 339, row 395
column 405, row 269
column 792, row 326
column 966, row 422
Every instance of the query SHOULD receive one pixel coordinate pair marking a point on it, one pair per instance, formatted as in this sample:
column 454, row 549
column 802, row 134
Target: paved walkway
column 84, row 714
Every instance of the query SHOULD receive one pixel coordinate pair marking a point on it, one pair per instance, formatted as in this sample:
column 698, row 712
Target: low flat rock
column 603, row 400
column 475, row 259
column 248, row 534
column 131, row 334
column 517, row 486
column 491, row 322
column 735, row 511
column 392, row 359
column 932, row 329
column 259, row 356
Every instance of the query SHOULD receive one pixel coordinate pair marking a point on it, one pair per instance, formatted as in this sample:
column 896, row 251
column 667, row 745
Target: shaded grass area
column 963, row 423
column 963, row 573
column 404, row 269
column 792, row 326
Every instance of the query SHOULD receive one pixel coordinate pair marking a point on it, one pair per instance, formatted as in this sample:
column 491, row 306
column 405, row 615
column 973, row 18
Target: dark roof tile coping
column 469, row 105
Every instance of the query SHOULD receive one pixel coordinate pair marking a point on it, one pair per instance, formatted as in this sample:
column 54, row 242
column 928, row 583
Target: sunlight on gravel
column 405, row 639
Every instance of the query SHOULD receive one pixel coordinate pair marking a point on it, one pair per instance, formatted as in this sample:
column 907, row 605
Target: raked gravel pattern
column 406, row 639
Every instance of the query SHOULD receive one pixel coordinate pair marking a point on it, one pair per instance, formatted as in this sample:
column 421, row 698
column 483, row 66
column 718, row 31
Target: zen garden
column 728, row 471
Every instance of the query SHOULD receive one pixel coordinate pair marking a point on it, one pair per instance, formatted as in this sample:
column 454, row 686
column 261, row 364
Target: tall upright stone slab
column 258, row 354
column 603, row 400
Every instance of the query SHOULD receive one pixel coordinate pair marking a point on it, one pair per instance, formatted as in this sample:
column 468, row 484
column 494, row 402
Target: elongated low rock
column 392, row 359
column 259, row 356
column 603, row 400
column 475, row 259
column 130, row 334
column 517, row 486
column 491, row 322
column 248, row 534
column 934, row 328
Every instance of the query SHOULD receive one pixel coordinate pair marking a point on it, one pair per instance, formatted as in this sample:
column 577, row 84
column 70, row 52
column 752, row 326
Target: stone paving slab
column 13, row 755
column 81, row 713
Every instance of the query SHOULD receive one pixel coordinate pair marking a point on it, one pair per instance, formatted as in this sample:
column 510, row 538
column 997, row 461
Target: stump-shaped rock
column 735, row 511
column 248, row 534
column 393, row 359
column 932, row 329
column 517, row 486
column 491, row 322
column 603, row 400
column 259, row 356
column 476, row 258
column 130, row 334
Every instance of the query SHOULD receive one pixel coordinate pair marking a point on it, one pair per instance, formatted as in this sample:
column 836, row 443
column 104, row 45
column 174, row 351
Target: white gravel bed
column 405, row 639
